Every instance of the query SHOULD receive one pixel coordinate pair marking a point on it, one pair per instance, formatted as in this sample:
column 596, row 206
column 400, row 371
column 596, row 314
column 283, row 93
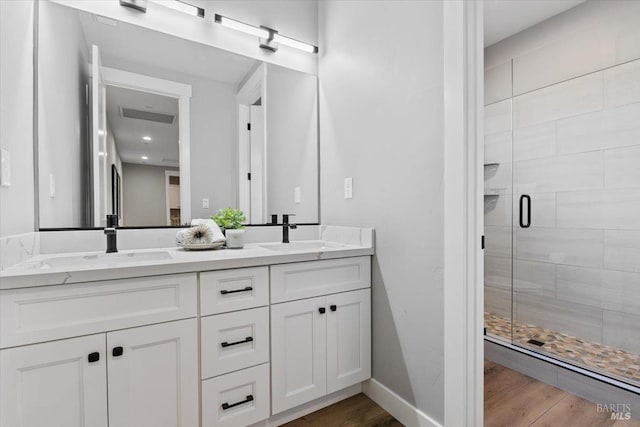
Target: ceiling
column 504, row 18
column 120, row 42
column 162, row 150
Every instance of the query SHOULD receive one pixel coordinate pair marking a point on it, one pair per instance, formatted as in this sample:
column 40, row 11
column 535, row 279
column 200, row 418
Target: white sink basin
column 315, row 245
column 99, row 260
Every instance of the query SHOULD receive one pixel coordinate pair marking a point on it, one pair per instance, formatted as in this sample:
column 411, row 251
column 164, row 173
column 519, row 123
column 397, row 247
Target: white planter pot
column 235, row 238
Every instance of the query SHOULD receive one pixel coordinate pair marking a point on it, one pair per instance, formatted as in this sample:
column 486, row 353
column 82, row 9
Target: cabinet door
column 153, row 375
column 348, row 339
column 54, row 384
column 298, row 353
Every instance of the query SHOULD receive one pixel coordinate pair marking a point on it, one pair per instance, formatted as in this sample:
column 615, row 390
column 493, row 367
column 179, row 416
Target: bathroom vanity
column 221, row 338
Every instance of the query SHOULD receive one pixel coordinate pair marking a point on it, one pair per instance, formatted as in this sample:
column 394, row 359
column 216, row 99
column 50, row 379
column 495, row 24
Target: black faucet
column 286, row 226
column 110, row 231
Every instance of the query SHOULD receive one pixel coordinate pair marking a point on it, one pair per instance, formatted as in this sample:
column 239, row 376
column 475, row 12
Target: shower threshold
column 609, row 361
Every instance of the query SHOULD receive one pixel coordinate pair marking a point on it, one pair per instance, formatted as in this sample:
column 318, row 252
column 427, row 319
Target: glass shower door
column 576, row 222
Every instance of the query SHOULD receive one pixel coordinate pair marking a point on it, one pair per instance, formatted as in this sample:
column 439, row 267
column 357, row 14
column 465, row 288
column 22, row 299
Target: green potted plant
column 232, row 222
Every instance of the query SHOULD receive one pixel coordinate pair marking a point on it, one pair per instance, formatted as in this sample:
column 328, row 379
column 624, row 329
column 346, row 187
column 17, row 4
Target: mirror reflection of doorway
column 172, row 190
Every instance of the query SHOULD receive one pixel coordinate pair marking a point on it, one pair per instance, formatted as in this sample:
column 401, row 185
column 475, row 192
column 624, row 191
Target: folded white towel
column 216, row 233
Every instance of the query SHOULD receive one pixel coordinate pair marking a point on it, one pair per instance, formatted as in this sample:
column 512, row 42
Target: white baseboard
column 307, row 408
column 401, row 410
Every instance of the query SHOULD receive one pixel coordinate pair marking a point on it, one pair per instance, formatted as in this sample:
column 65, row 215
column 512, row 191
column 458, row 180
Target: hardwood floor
column 358, row 410
column 512, row 399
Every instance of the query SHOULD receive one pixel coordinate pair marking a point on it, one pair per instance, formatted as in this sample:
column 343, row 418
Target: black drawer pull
column 229, row 344
column 93, row 357
column 247, row 289
column 322, row 310
column 226, row 406
column 333, row 307
column 117, row 351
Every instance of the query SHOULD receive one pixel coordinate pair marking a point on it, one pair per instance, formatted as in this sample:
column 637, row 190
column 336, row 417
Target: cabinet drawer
column 234, row 341
column 238, row 399
column 314, row 278
column 231, row 290
column 54, row 312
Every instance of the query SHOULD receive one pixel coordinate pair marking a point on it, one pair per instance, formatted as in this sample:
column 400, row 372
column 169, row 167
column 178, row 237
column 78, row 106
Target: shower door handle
column 522, row 199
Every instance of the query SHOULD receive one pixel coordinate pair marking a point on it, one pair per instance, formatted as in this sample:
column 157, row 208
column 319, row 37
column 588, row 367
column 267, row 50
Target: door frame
column 463, row 213
column 181, row 91
column 167, row 174
column 253, row 89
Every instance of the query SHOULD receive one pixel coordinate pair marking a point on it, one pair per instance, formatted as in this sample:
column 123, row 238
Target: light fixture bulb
column 146, row 138
column 287, row 41
column 241, row 26
column 145, row 158
column 181, row 6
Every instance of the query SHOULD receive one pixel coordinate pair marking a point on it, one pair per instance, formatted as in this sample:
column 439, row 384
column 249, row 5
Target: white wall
column 16, row 115
column 572, row 125
column 292, row 143
column 63, row 61
column 381, row 122
column 143, row 191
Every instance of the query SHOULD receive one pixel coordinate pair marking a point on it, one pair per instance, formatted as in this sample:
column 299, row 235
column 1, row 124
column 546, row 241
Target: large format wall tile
column 497, row 241
column 497, row 147
column 497, row 179
column 622, row 84
column 534, row 142
column 497, row 210
column 622, row 250
column 497, row 83
column 566, row 99
column 572, row 172
column 534, row 277
column 497, row 117
column 610, row 209
column 622, row 167
column 572, row 319
column 619, row 127
column 621, row 330
column 560, row 246
column 497, row 301
column 497, row 272
column 611, row 290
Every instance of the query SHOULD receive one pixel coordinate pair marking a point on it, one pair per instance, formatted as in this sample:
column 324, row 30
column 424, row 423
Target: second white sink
column 307, row 245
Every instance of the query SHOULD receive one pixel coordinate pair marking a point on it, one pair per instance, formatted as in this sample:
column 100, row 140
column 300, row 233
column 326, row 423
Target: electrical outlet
column 348, row 188
column 205, row 203
column 296, row 195
column 5, row 168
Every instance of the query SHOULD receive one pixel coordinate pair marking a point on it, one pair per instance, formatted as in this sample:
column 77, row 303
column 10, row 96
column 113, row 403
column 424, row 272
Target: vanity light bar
column 181, row 6
column 269, row 38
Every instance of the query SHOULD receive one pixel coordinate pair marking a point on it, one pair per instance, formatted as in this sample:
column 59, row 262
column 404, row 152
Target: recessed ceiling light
column 146, row 138
column 144, row 158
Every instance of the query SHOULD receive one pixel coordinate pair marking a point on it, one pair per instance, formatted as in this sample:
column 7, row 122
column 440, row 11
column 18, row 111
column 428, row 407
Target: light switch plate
column 348, row 188
column 205, row 203
column 5, row 168
column 296, row 195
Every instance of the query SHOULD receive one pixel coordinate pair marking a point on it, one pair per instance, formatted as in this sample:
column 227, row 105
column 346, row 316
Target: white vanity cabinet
column 321, row 344
column 143, row 376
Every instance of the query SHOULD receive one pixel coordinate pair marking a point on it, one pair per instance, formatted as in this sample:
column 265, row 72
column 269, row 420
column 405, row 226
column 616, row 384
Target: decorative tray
column 200, row 246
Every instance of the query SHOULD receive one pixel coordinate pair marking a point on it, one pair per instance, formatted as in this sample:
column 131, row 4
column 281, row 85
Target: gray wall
column 16, row 115
column 381, row 122
column 63, row 143
column 144, row 195
column 292, row 143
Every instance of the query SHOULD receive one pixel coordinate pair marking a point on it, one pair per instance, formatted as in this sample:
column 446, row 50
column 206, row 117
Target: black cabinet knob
column 117, row 351
column 333, row 307
column 93, row 357
column 322, row 310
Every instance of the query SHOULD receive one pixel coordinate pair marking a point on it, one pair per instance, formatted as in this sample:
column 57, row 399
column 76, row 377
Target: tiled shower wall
column 562, row 123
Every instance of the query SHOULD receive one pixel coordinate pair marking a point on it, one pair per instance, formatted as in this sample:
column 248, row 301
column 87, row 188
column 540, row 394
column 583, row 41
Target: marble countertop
column 67, row 268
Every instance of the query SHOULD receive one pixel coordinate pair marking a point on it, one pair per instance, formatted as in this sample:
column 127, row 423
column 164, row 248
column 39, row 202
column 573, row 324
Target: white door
column 298, row 353
column 153, row 375
column 98, row 139
column 55, row 384
column 258, row 166
column 348, row 339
